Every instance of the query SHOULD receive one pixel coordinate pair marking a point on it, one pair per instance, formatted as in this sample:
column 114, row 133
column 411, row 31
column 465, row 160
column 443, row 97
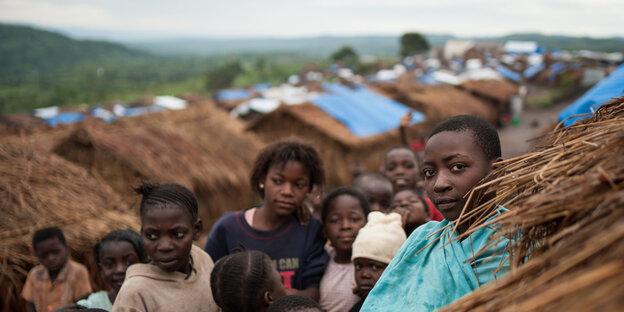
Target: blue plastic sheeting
column 602, row 92
column 138, row 111
column 364, row 112
column 533, row 70
column 428, row 80
column 555, row 69
column 508, row 73
column 233, row 94
column 261, row 87
column 65, row 119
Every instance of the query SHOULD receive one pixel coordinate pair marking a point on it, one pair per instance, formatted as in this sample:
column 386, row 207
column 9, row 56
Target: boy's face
column 168, row 234
column 367, row 273
column 52, row 254
column 344, row 220
column 453, row 164
column 378, row 194
column 401, row 169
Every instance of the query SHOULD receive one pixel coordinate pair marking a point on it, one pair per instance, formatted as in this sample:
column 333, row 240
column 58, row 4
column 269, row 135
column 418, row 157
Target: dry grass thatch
column 200, row 147
column 39, row 190
column 438, row 102
column 495, row 91
column 337, row 146
column 566, row 204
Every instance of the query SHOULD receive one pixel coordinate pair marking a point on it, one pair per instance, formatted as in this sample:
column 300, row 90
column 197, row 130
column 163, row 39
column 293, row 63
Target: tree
column 223, row 76
column 413, row 43
column 345, row 54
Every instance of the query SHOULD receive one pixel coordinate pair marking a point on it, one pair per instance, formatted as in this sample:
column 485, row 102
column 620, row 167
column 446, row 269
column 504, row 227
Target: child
column 412, row 207
column 113, row 254
column 282, row 227
column 178, row 276
column 373, row 249
column 343, row 213
column 57, row 281
column 376, row 188
column 433, row 268
column 246, row 281
column 401, row 168
column 295, row 303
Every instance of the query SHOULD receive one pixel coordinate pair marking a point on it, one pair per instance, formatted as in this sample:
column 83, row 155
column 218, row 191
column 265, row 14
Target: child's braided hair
column 239, row 280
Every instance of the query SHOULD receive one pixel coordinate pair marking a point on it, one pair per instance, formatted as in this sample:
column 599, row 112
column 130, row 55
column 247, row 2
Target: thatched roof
column 20, row 123
column 338, row 147
column 39, row 190
column 199, row 147
column 566, row 204
column 438, row 102
column 496, row 91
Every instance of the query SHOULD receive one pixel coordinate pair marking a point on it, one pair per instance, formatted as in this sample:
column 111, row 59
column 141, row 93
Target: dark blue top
column 297, row 251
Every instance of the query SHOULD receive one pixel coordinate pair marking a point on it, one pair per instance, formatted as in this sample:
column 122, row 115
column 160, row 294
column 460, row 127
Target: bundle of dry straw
column 40, row 190
column 566, row 204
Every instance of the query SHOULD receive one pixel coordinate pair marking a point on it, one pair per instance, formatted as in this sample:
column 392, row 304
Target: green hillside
column 28, row 52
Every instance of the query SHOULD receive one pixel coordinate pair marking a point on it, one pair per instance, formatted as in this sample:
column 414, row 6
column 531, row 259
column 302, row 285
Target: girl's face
column 168, row 234
column 401, row 169
column 115, row 258
column 408, row 202
column 286, row 187
column 367, row 273
column 344, row 220
column 453, row 165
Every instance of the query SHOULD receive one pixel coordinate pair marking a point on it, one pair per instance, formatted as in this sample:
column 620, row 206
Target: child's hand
column 405, row 214
column 405, row 120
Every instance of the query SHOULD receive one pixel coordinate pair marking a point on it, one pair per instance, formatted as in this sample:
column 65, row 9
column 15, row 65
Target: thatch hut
column 566, row 202
column 438, row 102
column 39, row 190
column 495, row 92
column 339, row 149
column 199, row 147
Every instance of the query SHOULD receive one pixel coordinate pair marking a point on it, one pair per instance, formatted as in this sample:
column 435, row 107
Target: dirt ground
column 515, row 140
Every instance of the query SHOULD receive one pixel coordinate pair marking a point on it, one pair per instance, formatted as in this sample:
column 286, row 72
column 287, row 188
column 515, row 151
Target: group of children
column 284, row 254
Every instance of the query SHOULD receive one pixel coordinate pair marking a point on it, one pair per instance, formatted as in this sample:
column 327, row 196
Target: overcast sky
column 124, row 19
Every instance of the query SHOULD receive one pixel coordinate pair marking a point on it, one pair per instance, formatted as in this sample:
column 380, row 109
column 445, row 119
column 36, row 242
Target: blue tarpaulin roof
column 602, row 92
column 508, row 73
column 65, row 118
column 233, row 94
column 533, row 70
column 364, row 112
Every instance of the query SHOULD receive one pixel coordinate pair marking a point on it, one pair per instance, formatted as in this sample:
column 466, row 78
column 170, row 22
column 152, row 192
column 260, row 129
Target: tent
column 610, row 87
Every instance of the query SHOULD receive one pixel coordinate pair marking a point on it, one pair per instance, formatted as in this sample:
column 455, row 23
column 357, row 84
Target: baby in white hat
column 373, row 249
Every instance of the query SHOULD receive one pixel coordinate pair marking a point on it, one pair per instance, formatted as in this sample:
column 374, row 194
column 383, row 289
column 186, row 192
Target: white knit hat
column 380, row 238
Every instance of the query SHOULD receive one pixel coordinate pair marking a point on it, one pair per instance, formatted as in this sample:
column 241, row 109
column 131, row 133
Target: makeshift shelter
column 438, row 102
column 496, row 92
column 566, row 202
column 610, row 87
column 39, row 190
column 338, row 147
column 199, row 147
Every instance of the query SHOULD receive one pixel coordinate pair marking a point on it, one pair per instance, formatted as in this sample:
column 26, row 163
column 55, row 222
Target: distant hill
column 323, row 46
column 30, row 52
column 320, row 47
